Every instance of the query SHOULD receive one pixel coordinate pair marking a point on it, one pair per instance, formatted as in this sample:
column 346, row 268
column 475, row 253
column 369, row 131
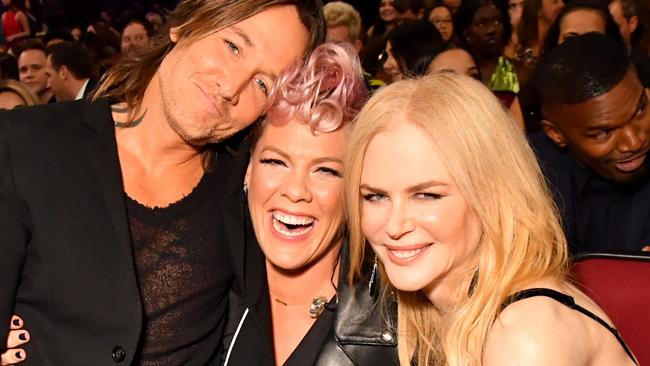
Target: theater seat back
column 620, row 284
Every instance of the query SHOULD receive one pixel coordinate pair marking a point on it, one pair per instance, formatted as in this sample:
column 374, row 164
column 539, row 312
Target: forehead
column 339, row 33
column 455, row 59
column 29, row 57
column 297, row 139
column 441, row 12
column 134, row 28
column 487, row 11
column 609, row 110
column 403, row 155
column 584, row 18
column 278, row 36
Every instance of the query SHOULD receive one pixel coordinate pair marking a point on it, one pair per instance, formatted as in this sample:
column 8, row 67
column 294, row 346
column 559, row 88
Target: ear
column 63, row 72
column 553, row 133
column 633, row 23
column 358, row 45
column 173, row 34
column 247, row 177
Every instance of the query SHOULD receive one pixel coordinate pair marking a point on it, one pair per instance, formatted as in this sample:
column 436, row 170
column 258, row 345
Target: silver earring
column 372, row 284
column 245, row 189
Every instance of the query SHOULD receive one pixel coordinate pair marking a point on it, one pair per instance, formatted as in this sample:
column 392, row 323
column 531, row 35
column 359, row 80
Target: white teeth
column 405, row 254
column 292, row 220
column 283, row 230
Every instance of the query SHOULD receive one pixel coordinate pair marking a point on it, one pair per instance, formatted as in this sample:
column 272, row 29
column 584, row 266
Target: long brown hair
column 194, row 19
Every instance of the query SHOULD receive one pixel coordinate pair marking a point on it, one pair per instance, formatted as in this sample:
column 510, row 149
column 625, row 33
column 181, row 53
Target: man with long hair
column 109, row 208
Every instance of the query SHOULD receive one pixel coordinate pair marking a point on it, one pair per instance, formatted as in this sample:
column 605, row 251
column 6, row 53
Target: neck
column 302, row 285
column 45, row 96
column 148, row 135
column 443, row 291
column 74, row 86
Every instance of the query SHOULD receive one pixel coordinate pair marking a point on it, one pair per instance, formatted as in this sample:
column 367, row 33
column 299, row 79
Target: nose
column 232, row 83
column 633, row 138
column 399, row 223
column 296, row 188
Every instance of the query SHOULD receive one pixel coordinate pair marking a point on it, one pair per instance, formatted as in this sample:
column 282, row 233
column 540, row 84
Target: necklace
column 316, row 306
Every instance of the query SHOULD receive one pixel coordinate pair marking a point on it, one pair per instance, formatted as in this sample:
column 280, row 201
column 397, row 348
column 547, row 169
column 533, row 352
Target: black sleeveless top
column 184, row 276
column 568, row 301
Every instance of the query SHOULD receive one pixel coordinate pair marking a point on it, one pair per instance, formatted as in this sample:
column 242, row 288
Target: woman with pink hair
column 290, row 307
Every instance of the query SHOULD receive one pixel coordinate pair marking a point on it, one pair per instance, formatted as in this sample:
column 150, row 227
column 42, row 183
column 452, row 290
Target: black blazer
column 66, row 265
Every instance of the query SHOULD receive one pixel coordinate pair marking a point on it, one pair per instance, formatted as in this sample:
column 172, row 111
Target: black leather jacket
column 363, row 332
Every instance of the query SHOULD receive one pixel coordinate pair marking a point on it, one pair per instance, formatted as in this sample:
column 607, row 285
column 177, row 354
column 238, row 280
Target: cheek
column 372, row 220
column 330, row 199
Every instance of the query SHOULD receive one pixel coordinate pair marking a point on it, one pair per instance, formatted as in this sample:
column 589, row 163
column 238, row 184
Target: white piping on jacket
column 234, row 338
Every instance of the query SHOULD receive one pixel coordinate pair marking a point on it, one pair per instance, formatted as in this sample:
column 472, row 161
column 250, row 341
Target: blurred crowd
column 43, row 62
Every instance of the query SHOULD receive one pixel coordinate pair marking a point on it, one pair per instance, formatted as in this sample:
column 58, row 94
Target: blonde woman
column 449, row 196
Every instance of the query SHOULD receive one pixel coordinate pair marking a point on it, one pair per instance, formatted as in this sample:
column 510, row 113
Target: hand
column 646, row 248
column 17, row 336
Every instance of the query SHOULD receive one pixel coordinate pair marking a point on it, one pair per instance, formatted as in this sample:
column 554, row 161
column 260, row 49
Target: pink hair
column 326, row 92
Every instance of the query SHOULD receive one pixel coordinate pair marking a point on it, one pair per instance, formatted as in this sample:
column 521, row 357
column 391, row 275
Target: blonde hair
column 338, row 13
column 497, row 173
column 19, row 89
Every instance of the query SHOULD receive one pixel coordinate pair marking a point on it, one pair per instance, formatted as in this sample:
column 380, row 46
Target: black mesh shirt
column 184, row 277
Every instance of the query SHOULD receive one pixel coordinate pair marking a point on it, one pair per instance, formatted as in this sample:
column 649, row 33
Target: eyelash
column 278, row 162
column 262, row 85
column 330, row 171
column 232, row 47
column 272, row 162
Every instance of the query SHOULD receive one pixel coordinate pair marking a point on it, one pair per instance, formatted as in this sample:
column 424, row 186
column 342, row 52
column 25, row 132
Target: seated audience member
column 417, row 49
column 577, row 17
column 14, row 94
column 70, row 71
column 595, row 143
column 580, row 17
column 485, row 27
column 624, row 14
column 440, row 16
column 31, row 69
column 458, row 60
column 408, row 49
column 446, row 192
column 534, row 22
column 136, row 36
column 343, row 23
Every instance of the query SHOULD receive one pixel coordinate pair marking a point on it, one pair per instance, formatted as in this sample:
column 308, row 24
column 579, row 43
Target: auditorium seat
column 620, row 284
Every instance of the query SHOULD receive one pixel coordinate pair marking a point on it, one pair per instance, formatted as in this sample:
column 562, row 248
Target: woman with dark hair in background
column 580, row 17
column 485, row 27
column 536, row 19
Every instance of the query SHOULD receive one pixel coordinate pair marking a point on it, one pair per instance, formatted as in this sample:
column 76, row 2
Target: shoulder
column 537, row 331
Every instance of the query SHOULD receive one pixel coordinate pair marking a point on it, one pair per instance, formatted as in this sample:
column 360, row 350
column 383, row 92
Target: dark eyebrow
column 238, row 31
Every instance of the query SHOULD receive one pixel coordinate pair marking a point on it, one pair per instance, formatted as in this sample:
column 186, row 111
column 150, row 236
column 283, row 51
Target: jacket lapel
column 101, row 146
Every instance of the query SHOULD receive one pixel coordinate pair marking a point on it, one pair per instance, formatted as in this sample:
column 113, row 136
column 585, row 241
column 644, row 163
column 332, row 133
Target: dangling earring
column 245, row 189
column 372, row 284
column 473, row 283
